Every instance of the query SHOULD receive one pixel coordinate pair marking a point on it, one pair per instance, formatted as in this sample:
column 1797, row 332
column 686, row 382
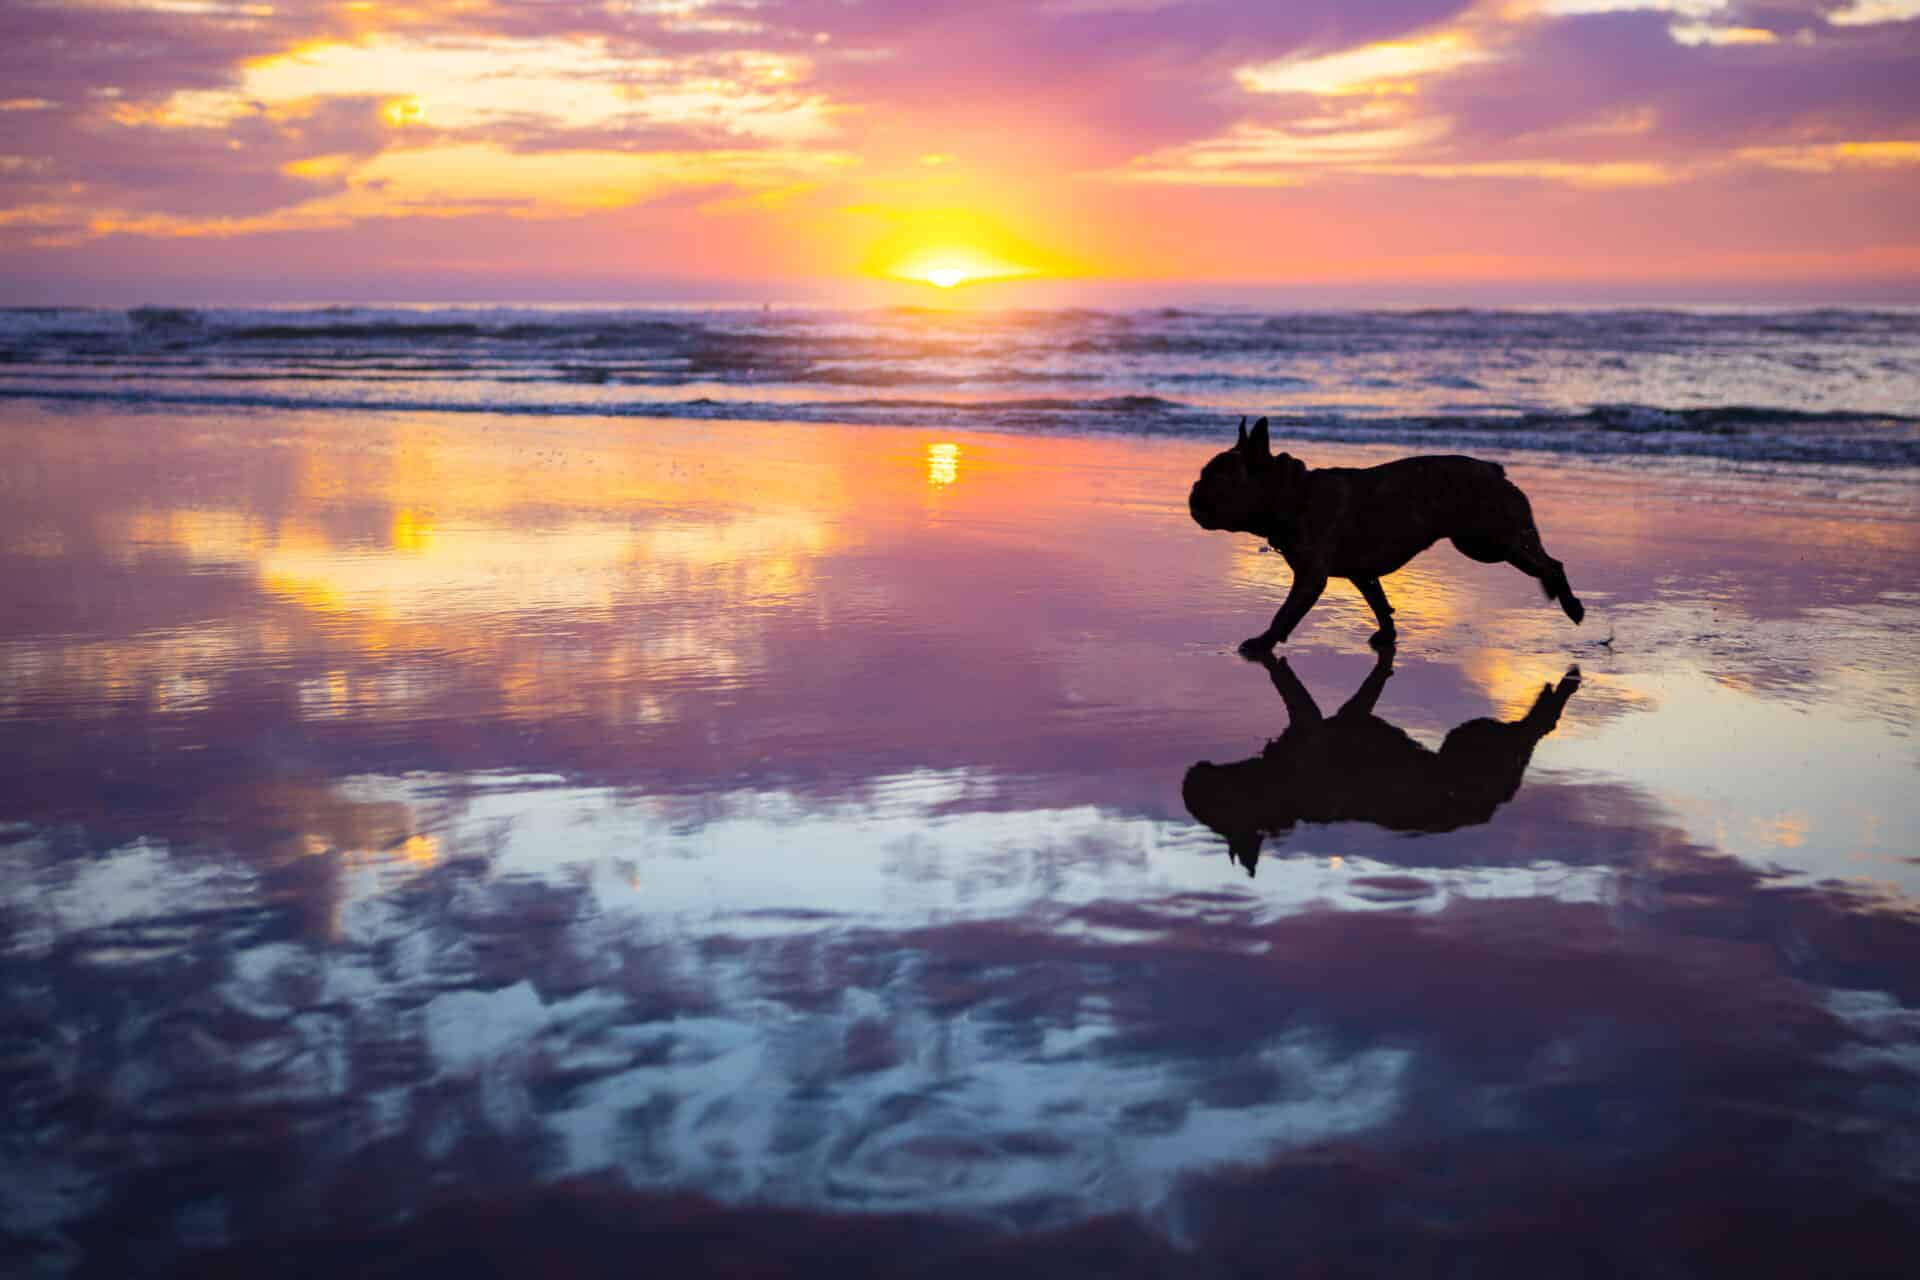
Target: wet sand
column 402, row 811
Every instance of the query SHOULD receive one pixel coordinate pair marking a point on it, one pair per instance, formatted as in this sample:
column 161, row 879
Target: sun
column 951, row 266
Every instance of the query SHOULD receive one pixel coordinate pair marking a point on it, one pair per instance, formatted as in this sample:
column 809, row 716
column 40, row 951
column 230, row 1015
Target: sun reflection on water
column 943, row 464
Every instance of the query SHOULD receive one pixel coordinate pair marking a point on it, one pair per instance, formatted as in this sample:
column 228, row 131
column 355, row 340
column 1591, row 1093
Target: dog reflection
column 1355, row 767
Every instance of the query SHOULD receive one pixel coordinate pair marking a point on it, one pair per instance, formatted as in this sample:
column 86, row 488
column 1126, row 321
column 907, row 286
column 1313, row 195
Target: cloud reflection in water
column 395, row 810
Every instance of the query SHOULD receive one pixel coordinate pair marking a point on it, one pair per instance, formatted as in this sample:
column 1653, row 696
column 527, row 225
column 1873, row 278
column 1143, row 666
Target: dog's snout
column 1193, row 504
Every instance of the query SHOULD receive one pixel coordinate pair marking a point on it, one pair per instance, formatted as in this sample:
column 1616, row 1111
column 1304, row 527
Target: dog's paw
column 1256, row 648
column 1384, row 641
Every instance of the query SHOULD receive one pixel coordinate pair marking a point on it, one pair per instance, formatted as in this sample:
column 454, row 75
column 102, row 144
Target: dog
column 1353, row 766
column 1362, row 523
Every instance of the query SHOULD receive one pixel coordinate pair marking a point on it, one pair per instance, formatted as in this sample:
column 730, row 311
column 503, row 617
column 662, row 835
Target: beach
column 763, row 830
column 1196, row 639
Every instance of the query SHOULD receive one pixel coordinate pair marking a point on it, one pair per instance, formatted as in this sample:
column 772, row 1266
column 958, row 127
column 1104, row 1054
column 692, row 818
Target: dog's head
column 1245, row 802
column 1246, row 488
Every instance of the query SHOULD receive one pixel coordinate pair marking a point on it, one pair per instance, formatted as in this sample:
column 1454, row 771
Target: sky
column 201, row 151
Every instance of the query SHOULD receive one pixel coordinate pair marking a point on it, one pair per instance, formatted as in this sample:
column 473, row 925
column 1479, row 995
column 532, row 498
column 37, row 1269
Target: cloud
column 1386, row 67
column 1864, row 13
column 1586, row 93
column 168, row 119
column 578, row 82
column 165, row 118
column 226, row 120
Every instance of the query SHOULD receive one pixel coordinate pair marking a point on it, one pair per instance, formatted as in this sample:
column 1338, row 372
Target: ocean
column 1826, row 386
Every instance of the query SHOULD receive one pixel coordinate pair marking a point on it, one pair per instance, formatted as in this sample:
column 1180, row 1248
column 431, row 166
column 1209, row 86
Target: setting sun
column 955, row 243
column 947, row 268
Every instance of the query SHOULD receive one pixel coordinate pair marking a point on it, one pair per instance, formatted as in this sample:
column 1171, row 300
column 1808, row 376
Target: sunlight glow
column 399, row 112
column 450, row 181
column 1862, row 13
column 1829, row 156
column 1707, row 33
column 968, row 238
column 1259, row 155
column 1388, row 67
column 547, row 82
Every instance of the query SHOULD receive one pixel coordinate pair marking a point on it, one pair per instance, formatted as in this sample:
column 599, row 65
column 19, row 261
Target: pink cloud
column 1504, row 159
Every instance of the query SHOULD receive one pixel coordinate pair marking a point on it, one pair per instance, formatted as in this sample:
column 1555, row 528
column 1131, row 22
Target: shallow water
column 403, row 808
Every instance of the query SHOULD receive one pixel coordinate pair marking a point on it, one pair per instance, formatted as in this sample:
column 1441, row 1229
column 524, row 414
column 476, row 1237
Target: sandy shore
column 795, row 815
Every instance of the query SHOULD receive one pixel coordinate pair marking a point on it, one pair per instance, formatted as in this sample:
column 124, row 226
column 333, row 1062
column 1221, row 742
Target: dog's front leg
column 1301, row 708
column 1308, row 583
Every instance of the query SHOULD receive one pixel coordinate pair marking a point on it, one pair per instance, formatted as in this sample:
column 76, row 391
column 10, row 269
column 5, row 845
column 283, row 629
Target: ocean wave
column 166, row 319
column 384, row 329
column 1733, row 432
column 1073, row 331
column 1815, row 385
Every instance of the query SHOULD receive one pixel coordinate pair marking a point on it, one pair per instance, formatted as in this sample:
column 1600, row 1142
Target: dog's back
column 1438, row 489
column 1387, row 515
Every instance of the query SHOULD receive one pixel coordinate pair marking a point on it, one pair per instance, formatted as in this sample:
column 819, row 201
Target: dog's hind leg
column 1376, row 599
column 1545, row 713
column 1502, row 529
column 1360, row 705
column 1529, row 556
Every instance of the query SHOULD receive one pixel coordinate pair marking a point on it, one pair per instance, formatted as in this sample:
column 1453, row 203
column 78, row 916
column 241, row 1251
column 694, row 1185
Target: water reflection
column 394, row 809
column 1355, row 767
column 943, row 464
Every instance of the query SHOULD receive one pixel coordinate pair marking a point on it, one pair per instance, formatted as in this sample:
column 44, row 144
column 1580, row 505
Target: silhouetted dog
column 1364, row 523
column 1355, row 767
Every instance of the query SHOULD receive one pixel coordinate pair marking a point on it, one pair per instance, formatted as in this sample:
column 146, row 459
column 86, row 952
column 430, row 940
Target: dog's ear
column 1244, row 848
column 1257, row 442
column 1241, row 443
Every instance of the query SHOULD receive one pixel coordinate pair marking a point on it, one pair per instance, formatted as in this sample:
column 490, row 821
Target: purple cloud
column 1559, row 76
